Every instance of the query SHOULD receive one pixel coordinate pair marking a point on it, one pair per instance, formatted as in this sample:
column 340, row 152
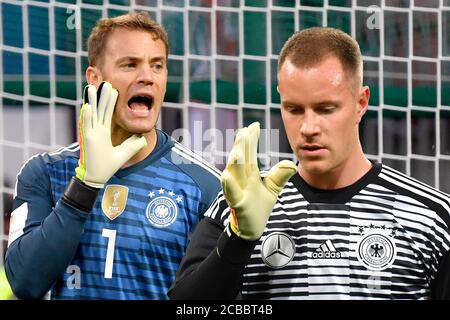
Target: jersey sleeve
column 215, row 259
column 43, row 235
column 440, row 286
column 440, row 263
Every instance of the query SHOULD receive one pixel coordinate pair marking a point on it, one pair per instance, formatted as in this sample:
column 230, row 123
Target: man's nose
column 145, row 75
column 310, row 125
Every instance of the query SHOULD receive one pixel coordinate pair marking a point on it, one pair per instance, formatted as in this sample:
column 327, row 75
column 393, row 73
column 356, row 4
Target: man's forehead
column 130, row 40
column 288, row 67
column 327, row 63
column 328, row 70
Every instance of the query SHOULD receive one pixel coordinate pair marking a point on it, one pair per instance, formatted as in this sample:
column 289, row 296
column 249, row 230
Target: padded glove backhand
column 250, row 198
column 99, row 159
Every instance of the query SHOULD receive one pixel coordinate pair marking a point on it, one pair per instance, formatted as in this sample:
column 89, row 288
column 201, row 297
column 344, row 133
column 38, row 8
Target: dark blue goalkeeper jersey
column 131, row 243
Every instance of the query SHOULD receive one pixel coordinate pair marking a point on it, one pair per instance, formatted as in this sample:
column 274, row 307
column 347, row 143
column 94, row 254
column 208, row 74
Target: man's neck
column 341, row 176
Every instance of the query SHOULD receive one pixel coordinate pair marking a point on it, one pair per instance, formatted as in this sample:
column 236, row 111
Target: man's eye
column 293, row 110
column 327, row 110
column 128, row 65
column 158, row 67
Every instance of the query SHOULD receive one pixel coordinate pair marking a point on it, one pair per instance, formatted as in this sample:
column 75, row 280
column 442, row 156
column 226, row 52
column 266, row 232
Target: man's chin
column 141, row 131
column 315, row 167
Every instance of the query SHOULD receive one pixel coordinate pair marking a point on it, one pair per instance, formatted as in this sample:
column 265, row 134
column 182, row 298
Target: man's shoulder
column 192, row 163
column 413, row 192
column 52, row 158
column 408, row 184
column 41, row 165
column 203, row 174
column 63, row 153
column 183, row 157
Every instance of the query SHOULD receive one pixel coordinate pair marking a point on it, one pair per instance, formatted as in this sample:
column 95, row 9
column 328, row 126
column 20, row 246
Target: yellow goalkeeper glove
column 99, row 159
column 251, row 198
column 5, row 290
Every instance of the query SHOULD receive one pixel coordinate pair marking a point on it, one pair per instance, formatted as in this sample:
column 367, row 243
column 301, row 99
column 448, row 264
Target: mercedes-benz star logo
column 277, row 250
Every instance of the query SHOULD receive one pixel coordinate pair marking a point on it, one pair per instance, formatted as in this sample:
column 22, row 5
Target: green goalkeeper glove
column 5, row 290
column 250, row 198
column 99, row 159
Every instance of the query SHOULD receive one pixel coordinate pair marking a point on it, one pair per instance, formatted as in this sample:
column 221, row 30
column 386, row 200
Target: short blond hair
column 311, row 46
column 132, row 21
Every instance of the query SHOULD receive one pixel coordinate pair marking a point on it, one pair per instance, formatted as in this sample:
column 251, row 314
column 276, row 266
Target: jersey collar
column 337, row 196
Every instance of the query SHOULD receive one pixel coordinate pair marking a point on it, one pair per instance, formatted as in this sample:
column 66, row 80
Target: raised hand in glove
column 250, row 197
column 99, row 159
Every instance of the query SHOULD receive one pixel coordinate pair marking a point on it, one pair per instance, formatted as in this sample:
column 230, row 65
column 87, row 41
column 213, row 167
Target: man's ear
column 94, row 76
column 363, row 102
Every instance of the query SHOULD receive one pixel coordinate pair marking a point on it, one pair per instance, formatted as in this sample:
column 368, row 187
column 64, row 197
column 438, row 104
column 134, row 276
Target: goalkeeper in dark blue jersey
column 109, row 217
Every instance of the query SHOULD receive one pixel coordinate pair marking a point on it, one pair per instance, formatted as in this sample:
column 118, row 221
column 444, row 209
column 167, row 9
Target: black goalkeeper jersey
column 384, row 237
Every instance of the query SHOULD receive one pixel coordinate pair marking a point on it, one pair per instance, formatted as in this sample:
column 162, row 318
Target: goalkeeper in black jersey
column 334, row 226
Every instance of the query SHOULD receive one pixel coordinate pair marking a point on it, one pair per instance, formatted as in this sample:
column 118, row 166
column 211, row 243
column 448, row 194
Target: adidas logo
column 326, row 251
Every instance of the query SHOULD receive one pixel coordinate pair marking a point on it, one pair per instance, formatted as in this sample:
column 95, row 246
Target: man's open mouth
column 140, row 103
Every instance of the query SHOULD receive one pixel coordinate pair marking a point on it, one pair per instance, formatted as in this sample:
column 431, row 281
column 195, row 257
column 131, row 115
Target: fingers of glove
column 238, row 141
column 231, row 188
column 85, row 94
column 110, row 107
column 236, row 158
column 251, row 145
column 92, row 101
column 86, row 123
column 279, row 175
column 103, row 96
column 84, row 128
column 127, row 149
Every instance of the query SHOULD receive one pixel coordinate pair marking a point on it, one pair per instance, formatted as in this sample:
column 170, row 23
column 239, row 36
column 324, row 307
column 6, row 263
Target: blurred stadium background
column 222, row 72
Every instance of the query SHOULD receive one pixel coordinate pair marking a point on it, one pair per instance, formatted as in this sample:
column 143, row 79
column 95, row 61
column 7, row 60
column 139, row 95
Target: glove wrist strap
column 80, row 195
column 234, row 223
column 233, row 249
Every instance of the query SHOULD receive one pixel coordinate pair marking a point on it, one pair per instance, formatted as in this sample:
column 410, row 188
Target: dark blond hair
column 131, row 21
column 309, row 47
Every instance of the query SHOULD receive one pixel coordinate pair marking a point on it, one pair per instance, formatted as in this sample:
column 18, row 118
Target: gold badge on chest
column 114, row 200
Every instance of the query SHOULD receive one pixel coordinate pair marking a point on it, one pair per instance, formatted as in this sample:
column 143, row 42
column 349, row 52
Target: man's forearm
column 36, row 259
column 219, row 275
